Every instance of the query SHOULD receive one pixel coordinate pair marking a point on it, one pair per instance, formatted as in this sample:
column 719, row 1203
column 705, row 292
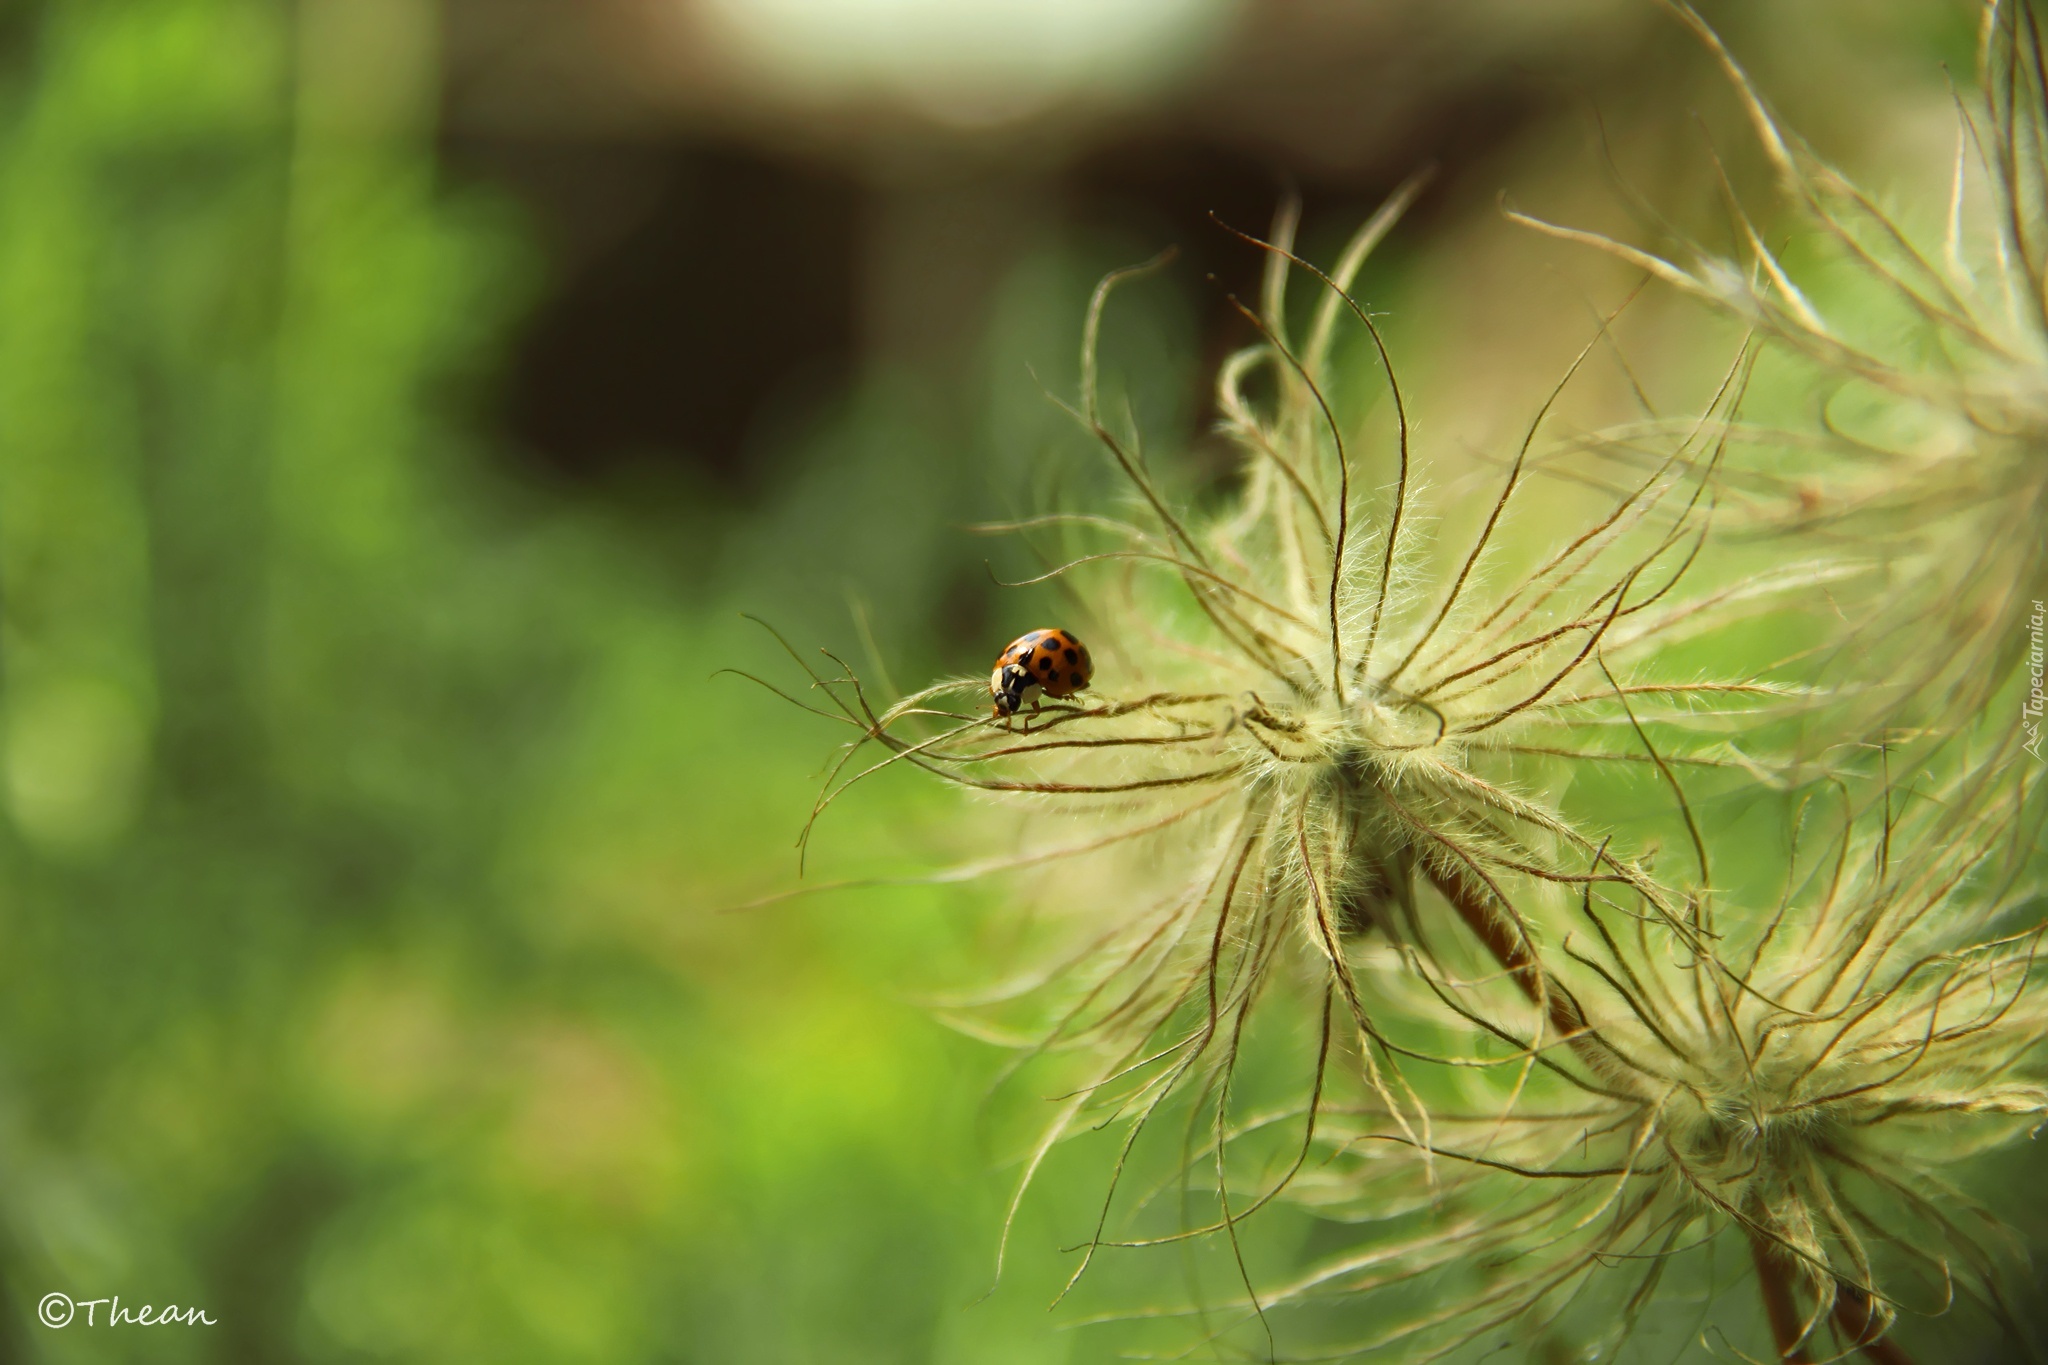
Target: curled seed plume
column 1312, row 775
column 1799, row 1098
column 1928, row 459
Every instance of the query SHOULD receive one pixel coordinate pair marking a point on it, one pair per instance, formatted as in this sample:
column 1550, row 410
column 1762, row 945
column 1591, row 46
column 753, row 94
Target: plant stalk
column 1514, row 954
column 1856, row 1321
column 1775, row 1285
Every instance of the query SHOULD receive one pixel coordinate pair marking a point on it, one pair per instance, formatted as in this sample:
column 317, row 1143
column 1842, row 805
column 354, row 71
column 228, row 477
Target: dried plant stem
column 1854, row 1320
column 1776, row 1287
column 1509, row 947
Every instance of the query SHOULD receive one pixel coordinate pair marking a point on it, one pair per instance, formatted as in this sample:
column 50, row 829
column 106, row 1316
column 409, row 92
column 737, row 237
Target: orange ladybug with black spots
column 1048, row 661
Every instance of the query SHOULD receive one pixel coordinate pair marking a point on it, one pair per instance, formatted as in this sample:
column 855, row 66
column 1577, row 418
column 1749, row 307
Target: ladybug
column 1048, row 661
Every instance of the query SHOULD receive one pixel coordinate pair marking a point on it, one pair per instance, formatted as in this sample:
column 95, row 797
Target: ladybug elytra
column 1048, row 661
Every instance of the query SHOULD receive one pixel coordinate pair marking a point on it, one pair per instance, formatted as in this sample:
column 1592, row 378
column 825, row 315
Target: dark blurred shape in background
column 727, row 291
column 740, row 200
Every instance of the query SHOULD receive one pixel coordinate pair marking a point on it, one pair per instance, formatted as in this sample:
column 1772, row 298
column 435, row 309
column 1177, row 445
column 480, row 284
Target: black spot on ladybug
column 1045, row 662
column 1072, row 657
column 1077, row 677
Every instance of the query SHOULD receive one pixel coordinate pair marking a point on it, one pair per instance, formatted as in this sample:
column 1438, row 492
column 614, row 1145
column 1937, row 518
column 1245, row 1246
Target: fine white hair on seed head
column 1330, row 745
column 1327, row 789
column 1931, row 455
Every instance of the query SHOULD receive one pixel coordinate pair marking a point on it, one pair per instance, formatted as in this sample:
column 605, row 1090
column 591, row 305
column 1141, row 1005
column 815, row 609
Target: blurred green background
column 398, row 403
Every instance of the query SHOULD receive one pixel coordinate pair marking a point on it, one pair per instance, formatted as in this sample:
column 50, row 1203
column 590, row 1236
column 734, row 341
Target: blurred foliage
column 366, row 810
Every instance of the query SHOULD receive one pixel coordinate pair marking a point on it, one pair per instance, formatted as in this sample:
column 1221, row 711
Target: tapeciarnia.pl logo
column 2030, row 709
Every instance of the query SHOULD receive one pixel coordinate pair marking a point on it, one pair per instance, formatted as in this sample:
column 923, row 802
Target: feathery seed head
column 1324, row 765
column 1930, row 460
column 1797, row 1089
column 1307, row 740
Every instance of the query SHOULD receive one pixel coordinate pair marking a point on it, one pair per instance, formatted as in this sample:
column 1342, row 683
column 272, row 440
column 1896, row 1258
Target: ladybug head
column 1006, row 689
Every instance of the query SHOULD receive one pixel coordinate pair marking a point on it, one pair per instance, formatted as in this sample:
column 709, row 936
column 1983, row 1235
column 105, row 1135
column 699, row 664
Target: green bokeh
column 367, row 975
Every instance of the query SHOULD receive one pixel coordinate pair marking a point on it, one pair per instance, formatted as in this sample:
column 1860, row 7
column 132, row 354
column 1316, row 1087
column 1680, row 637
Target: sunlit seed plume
column 1786, row 1110
column 1932, row 452
column 1306, row 740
